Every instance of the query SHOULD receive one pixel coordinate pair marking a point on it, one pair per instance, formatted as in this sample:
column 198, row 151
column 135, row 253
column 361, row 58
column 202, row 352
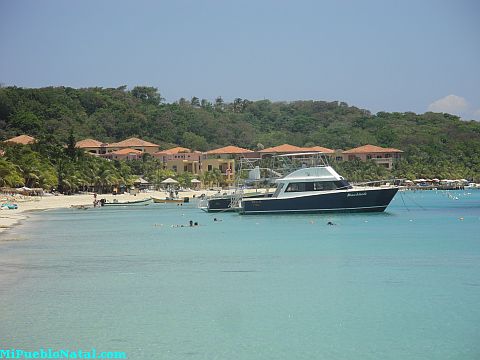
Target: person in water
column 330, row 223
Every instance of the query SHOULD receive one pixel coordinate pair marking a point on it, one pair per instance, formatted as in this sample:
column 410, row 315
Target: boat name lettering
column 357, row 194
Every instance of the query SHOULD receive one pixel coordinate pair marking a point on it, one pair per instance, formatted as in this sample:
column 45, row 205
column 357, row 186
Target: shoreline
column 11, row 218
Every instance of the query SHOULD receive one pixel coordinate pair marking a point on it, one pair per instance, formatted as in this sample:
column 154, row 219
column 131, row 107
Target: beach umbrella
column 169, row 181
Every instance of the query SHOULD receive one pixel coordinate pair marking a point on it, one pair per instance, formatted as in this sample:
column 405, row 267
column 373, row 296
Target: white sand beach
column 9, row 218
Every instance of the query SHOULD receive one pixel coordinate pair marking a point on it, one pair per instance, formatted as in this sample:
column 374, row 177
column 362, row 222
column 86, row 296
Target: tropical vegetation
column 434, row 144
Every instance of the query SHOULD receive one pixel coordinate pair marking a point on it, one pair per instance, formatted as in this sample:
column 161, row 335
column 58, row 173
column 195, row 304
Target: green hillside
column 435, row 145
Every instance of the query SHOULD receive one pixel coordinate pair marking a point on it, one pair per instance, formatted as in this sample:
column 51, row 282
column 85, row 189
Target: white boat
column 319, row 189
column 143, row 202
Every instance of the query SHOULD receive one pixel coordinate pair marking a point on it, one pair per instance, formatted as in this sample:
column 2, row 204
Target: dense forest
column 435, row 145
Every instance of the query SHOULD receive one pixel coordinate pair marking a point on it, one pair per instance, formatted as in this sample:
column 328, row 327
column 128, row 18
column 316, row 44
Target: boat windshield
column 317, row 186
column 279, row 188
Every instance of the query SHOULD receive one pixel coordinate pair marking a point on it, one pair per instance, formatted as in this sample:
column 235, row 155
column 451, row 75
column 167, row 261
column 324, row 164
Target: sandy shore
column 9, row 218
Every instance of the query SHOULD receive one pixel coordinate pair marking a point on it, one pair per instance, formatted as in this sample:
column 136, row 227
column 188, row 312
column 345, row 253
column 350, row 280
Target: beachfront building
column 180, row 160
column 125, row 154
column 382, row 156
column 134, row 143
column 292, row 149
column 21, row 139
column 92, row 146
column 223, row 159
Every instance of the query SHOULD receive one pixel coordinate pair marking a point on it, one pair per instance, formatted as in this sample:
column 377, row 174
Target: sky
column 380, row 55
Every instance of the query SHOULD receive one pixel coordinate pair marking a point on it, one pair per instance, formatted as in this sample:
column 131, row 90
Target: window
column 174, row 167
column 317, row 186
column 279, row 188
column 369, row 156
column 210, row 167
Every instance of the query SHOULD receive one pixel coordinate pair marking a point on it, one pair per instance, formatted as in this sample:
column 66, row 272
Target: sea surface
column 404, row 284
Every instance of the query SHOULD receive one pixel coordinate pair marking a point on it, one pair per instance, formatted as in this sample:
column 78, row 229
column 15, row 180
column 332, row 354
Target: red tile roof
column 229, row 150
column 127, row 152
column 175, row 150
column 21, row 139
column 285, row 148
column 89, row 143
column 132, row 142
column 371, row 149
column 320, row 149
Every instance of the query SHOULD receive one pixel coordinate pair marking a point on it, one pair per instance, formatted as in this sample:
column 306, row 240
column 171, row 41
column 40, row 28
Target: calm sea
column 404, row 284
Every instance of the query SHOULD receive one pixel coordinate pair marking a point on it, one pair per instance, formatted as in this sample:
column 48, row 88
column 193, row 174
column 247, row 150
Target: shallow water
column 404, row 284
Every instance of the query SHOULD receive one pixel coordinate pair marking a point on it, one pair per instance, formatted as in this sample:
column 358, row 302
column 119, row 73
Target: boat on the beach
column 143, row 202
column 169, row 200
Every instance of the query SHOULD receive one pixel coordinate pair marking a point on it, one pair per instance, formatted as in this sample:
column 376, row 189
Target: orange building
column 180, row 160
column 134, row 143
column 382, row 156
column 292, row 149
column 125, row 154
column 223, row 159
column 92, row 146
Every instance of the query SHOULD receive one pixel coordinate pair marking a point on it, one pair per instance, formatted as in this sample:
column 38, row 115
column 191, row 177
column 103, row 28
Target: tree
column 71, row 150
column 194, row 141
column 219, row 104
column 9, row 174
column 147, row 94
column 195, row 102
column 237, row 105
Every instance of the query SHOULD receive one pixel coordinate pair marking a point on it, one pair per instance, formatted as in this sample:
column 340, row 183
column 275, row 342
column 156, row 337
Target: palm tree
column 9, row 174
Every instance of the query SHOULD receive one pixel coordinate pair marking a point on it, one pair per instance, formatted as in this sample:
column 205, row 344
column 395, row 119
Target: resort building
column 22, row 140
column 382, row 156
column 223, row 159
column 125, row 154
column 180, row 160
column 134, row 143
column 92, row 146
column 291, row 149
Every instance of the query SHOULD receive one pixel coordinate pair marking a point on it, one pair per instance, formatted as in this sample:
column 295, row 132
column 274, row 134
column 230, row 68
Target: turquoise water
column 404, row 284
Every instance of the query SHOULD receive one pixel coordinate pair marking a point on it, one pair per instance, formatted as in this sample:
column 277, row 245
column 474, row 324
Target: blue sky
column 379, row 55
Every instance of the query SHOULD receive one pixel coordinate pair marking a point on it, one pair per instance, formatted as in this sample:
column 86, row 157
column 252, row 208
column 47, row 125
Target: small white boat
column 143, row 202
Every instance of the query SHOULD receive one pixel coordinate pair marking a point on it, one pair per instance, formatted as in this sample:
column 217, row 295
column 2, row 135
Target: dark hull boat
column 224, row 203
column 318, row 189
column 351, row 200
